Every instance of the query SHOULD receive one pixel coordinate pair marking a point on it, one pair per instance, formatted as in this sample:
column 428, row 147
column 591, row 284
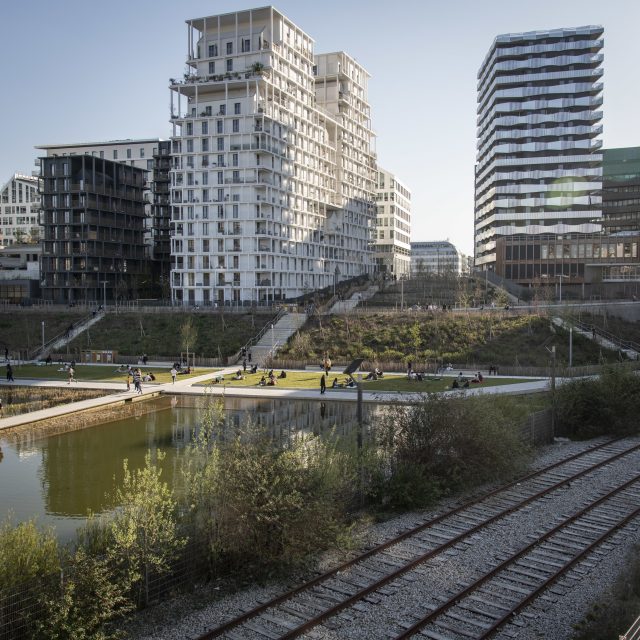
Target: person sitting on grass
column 378, row 372
column 283, row 374
column 455, row 384
column 271, row 382
column 217, row 378
column 254, row 368
column 238, row 375
column 350, row 383
column 335, row 384
column 263, row 381
column 372, row 375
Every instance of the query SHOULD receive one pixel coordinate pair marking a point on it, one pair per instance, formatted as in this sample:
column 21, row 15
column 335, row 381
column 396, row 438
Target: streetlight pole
column 570, row 347
column 43, row 336
column 401, row 294
column 104, row 291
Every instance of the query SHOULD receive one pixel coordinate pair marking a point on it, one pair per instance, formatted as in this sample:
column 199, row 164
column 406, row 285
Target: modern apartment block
column 393, row 226
column 19, row 210
column 152, row 155
column 93, row 217
column 439, row 257
column 273, row 177
column 539, row 162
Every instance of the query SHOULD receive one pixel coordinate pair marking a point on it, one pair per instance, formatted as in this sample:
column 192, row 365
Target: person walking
column 1, row 409
column 71, row 374
column 244, row 364
column 10, row 373
column 174, row 373
column 137, row 380
column 323, row 384
column 128, row 381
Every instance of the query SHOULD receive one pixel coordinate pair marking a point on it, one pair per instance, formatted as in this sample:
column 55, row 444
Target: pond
column 59, row 478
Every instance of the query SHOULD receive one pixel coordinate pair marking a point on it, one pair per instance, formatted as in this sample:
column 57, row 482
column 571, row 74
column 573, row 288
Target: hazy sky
column 82, row 70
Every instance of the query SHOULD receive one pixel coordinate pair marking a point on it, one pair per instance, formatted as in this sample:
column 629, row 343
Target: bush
column 591, row 407
column 27, row 555
column 261, row 508
column 443, row 444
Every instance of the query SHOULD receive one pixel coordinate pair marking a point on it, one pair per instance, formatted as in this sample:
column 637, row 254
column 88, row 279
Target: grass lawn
column 311, row 380
column 90, row 372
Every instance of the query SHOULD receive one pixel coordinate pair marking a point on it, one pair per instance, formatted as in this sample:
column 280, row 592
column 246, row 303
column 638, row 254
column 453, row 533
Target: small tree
column 188, row 335
column 143, row 532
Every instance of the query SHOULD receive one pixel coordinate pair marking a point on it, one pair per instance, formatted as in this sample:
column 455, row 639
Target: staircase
column 344, row 306
column 61, row 340
column 275, row 336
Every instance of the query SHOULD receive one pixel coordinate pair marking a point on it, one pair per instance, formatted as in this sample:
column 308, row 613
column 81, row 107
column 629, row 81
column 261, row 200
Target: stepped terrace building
column 273, row 177
column 539, row 162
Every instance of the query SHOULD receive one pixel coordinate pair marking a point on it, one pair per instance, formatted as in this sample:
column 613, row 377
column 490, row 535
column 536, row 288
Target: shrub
column 253, row 502
column 596, row 406
column 28, row 557
column 446, row 443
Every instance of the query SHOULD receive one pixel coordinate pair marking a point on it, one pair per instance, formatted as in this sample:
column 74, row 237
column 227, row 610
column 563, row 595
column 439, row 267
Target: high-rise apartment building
column 152, row 155
column 273, row 172
column 393, row 226
column 539, row 162
column 19, row 210
column 93, row 217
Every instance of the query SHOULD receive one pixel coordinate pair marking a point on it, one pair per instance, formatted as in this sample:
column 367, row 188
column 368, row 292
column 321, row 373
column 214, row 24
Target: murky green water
column 59, row 478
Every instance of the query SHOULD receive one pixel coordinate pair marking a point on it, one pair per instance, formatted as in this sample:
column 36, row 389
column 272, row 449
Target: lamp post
column 336, row 275
column 104, row 291
column 560, row 276
column 43, row 335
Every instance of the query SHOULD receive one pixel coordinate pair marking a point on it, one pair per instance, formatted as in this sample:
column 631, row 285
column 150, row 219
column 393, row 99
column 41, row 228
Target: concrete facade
column 19, row 210
column 273, row 177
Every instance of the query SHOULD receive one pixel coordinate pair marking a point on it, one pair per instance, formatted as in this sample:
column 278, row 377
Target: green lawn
column 89, row 372
column 311, row 380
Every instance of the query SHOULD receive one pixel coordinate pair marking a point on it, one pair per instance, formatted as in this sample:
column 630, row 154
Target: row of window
column 572, row 250
column 212, row 49
column 544, row 271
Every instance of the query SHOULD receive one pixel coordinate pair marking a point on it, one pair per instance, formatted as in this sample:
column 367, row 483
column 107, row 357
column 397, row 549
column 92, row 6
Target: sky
column 82, row 70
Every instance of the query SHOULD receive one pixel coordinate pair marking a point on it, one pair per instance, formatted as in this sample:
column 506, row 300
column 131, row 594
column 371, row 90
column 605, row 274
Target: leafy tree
column 143, row 532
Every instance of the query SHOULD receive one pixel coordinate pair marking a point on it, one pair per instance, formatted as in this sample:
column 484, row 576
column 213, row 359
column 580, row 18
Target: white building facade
column 438, row 257
column 539, row 162
column 19, row 211
column 273, row 164
column 393, row 226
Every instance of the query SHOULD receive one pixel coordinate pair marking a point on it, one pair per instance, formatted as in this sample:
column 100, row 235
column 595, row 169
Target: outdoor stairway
column 275, row 337
column 61, row 340
column 344, row 306
column 600, row 337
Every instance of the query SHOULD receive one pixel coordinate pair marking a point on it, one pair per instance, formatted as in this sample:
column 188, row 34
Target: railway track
column 376, row 571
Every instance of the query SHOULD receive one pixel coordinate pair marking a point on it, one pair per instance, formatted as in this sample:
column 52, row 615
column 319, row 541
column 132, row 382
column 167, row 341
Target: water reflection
column 61, row 477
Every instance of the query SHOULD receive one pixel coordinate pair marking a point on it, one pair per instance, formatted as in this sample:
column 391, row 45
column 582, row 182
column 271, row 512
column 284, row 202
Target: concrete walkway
column 187, row 387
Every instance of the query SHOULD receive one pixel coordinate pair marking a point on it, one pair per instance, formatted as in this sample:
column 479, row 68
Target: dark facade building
column 161, row 213
column 621, row 190
column 94, row 223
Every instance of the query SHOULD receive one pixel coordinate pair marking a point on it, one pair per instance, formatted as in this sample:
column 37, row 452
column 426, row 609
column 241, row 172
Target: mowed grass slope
column 461, row 338
column 21, row 329
column 159, row 334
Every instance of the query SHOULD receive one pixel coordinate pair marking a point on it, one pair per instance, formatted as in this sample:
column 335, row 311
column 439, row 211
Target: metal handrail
column 619, row 342
column 40, row 351
column 634, row 631
column 255, row 339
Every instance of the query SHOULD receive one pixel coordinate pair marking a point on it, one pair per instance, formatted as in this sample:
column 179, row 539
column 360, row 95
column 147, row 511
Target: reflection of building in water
column 78, row 467
column 281, row 419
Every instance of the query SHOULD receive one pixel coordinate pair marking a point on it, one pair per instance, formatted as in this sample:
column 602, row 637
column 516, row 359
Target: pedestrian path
column 344, row 306
column 276, row 336
column 189, row 386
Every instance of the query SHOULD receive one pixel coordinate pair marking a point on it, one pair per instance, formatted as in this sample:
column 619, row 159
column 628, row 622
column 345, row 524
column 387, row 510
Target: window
column 246, row 45
column 189, row 146
column 213, row 50
column 115, row 154
column 236, row 125
column 220, row 178
column 219, row 126
column 205, row 195
column 223, row 109
column 236, row 108
column 189, row 128
column 236, row 176
column 220, row 144
column 142, row 152
column 128, row 153
column 207, row 110
column 234, row 159
column 220, row 160
column 229, row 64
column 205, row 212
column 205, row 128
column 212, row 67
column 229, row 48
column 102, row 154
column 149, row 165
column 205, row 177
column 235, row 210
column 205, row 145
